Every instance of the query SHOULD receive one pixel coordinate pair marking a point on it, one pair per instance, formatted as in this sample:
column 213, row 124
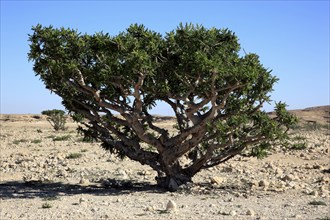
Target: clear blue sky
column 291, row 38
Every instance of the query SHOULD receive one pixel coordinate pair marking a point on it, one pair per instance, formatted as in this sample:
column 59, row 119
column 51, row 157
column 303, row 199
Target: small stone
column 171, row 206
column 264, row 183
column 228, row 169
column 212, row 206
column 271, row 166
column 94, row 209
column 232, row 213
column 325, row 179
column 230, row 199
column 314, row 193
column 81, row 200
column 150, row 209
column 289, row 177
column 308, row 166
column 278, row 171
column 216, row 180
column 250, row 212
column 83, row 181
column 63, row 173
column 317, row 166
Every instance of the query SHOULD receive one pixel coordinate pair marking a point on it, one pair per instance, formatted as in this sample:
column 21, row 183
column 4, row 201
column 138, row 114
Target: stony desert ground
column 55, row 175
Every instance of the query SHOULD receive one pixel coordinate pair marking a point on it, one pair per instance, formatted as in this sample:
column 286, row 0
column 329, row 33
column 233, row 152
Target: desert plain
column 56, row 175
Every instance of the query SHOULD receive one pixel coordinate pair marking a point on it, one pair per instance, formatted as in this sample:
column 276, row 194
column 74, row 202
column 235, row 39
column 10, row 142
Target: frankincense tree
column 216, row 94
column 56, row 118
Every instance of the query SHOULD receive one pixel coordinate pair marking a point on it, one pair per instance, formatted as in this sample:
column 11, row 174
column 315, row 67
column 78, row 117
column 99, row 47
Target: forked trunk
column 173, row 178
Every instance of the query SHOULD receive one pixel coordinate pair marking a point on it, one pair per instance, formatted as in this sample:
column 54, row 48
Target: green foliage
column 260, row 151
column 89, row 135
column 299, row 146
column 56, row 118
column 46, row 205
column 109, row 84
column 20, row 141
column 36, row 141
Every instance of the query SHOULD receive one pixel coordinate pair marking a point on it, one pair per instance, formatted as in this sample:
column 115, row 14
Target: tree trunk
column 174, row 177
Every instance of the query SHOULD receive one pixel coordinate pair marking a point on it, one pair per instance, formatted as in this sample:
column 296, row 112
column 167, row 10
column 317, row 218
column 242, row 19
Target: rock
column 63, row 173
column 253, row 183
column 317, row 166
column 250, row 212
column 143, row 173
column 314, row 193
column 150, row 209
column 212, row 206
column 233, row 213
column 94, row 209
column 230, row 199
column 216, row 180
column 263, row 183
column 324, row 179
column 83, row 181
column 271, row 166
column 82, row 200
column 228, row 169
column 279, row 171
column 308, row 167
column 289, row 177
column 171, row 206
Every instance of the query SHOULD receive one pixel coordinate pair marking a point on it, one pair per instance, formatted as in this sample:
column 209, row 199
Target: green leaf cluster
column 216, row 94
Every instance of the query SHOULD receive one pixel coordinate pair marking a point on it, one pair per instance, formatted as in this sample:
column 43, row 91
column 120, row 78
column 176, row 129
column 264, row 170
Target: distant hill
column 318, row 114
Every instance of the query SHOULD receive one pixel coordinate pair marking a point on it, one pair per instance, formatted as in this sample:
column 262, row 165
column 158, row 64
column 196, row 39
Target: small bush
column 56, row 118
column 36, row 116
column 46, row 205
column 260, row 151
column 74, row 156
column 19, row 141
column 36, row 141
column 299, row 146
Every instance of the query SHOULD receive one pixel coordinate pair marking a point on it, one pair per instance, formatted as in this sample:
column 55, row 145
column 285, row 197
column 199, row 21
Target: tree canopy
column 216, row 94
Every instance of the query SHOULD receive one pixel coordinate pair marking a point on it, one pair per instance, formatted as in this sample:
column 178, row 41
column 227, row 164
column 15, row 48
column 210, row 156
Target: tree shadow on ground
column 36, row 189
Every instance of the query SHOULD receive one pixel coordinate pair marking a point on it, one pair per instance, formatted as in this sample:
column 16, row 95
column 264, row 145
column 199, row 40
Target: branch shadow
column 35, row 189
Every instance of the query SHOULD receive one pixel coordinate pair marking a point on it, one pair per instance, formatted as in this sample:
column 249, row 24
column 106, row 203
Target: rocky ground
column 55, row 175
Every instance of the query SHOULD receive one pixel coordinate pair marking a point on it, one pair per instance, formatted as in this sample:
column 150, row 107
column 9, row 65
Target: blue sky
column 291, row 38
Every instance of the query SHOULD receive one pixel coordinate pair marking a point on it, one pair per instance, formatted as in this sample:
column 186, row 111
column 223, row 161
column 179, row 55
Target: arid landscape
column 56, row 175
